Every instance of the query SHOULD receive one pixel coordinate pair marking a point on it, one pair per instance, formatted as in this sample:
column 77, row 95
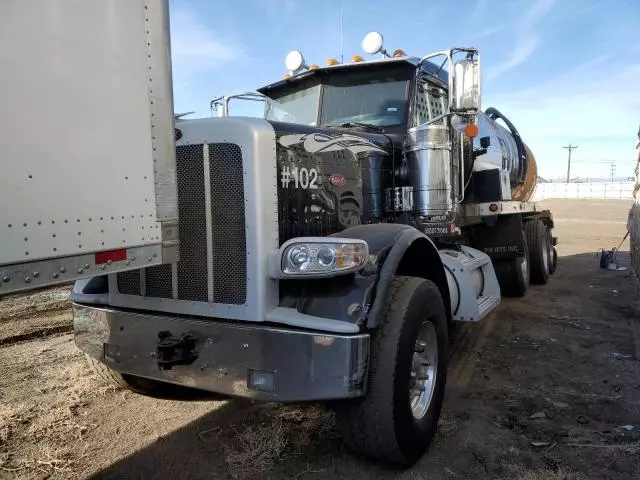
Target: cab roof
column 430, row 67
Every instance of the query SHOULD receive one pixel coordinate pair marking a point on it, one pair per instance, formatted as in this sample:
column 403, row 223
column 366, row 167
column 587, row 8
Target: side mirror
column 466, row 80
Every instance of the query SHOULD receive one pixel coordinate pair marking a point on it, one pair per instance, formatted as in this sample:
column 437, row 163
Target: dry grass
column 545, row 474
column 31, row 304
column 259, row 442
column 47, row 413
column 11, row 416
column 307, row 423
column 47, row 462
column 256, row 448
column 448, row 424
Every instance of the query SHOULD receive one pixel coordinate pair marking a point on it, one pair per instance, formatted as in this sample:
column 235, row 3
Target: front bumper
column 305, row 365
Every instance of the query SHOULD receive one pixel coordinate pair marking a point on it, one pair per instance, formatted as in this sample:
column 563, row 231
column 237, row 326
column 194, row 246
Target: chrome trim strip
column 208, row 219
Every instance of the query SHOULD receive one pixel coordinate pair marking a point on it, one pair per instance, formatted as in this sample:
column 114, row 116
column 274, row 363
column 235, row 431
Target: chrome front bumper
column 303, row 365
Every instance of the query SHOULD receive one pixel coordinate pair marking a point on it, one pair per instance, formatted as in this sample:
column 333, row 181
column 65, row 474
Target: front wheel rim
column 424, row 369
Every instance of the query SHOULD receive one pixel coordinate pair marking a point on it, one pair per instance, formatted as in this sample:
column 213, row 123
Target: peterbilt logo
column 337, row 180
column 321, row 142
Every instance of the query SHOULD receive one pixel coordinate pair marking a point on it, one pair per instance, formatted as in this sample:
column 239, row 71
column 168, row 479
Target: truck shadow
column 213, row 446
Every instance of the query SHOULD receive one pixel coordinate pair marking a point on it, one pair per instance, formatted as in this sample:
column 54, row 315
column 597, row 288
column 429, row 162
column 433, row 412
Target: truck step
column 477, row 262
column 486, row 305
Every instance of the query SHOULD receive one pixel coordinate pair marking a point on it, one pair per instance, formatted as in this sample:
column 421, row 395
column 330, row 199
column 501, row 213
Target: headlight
column 318, row 257
column 299, row 258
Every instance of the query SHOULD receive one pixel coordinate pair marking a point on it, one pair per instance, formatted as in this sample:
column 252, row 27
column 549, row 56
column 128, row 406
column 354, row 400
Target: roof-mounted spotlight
column 294, row 61
column 373, row 43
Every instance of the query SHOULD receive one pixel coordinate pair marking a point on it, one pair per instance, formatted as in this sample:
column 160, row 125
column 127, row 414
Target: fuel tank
column 505, row 151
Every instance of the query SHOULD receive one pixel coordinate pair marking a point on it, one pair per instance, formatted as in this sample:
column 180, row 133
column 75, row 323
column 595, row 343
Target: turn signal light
column 471, row 130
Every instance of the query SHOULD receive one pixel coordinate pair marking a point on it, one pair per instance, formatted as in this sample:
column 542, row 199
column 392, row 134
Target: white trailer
column 87, row 167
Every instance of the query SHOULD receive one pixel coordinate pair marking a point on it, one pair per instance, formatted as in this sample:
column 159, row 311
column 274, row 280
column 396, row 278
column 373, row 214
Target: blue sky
column 563, row 71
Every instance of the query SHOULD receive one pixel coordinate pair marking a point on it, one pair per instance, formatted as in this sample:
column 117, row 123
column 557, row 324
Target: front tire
column 397, row 419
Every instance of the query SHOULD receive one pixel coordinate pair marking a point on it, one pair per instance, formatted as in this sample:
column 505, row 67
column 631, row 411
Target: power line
column 570, row 148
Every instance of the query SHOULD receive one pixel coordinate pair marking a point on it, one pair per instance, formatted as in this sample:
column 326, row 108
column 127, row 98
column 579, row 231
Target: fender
column 394, row 249
column 400, row 250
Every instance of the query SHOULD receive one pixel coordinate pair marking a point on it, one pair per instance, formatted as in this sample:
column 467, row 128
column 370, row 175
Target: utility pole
column 613, row 169
column 570, row 148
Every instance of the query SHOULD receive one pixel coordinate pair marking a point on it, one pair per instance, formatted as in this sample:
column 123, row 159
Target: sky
column 563, row 71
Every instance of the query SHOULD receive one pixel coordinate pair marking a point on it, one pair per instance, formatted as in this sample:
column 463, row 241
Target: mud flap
column 500, row 239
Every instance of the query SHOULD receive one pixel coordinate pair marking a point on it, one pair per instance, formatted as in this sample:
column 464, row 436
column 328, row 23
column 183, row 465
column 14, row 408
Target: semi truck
column 322, row 252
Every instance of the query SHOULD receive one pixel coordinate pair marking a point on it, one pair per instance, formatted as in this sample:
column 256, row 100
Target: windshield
column 372, row 98
column 295, row 106
column 376, row 97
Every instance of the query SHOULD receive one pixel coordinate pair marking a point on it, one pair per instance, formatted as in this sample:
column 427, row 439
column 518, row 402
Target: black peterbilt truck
column 327, row 248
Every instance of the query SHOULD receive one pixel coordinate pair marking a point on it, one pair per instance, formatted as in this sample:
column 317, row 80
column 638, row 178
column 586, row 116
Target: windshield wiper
column 359, row 124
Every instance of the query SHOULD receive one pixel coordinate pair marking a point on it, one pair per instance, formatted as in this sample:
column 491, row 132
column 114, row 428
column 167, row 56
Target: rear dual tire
column 540, row 251
column 554, row 260
column 513, row 274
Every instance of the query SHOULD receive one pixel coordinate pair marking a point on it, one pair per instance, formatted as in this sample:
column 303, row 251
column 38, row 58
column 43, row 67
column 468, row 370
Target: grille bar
column 207, row 213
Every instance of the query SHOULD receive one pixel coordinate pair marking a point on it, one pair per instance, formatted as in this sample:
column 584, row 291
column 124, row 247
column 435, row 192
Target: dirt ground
column 548, row 387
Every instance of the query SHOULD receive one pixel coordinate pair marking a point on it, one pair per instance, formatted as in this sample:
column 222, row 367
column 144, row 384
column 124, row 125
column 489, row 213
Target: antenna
column 570, row 148
column 341, row 16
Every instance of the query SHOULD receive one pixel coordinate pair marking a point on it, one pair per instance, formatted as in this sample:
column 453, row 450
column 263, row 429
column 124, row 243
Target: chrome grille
column 192, row 268
column 227, row 234
column 229, row 249
column 158, row 281
column 129, row 282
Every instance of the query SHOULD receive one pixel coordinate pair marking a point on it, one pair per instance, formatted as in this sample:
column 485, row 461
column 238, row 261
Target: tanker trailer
column 516, row 233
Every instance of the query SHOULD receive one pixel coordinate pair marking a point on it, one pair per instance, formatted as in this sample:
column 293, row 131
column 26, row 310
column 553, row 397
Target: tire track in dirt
column 36, row 334
column 471, row 338
column 469, row 341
